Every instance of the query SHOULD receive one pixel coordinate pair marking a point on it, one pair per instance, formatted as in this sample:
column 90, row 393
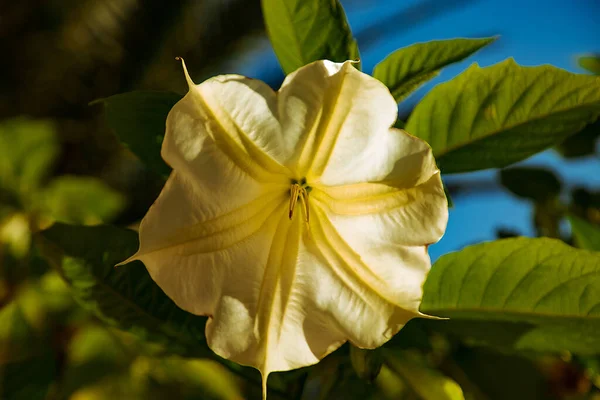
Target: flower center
column 299, row 191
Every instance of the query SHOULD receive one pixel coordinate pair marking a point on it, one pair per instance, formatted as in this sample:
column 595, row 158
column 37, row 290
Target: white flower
column 295, row 220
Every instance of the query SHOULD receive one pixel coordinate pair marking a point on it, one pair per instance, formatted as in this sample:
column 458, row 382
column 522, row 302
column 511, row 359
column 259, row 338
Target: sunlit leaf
column 80, row 200
column 138, row 119
column 544, row 283
column 587, row 235
column 426, row 382
column 27, row 150
column 303, row 31
column 93, row 353
column 126, row 296
column 390, row 385
column 197, row 379
column 492, row 117
column 537, row 184
column 406, row 69
column 15, row 234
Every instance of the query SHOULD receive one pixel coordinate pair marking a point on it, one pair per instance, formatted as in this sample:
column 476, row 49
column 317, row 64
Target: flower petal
column 223, row 168
column 227, row 117
column 219, row 241
column 370, row 214
column 339, row 120
column 243, row 271
column 354, row 300
column 187, row 248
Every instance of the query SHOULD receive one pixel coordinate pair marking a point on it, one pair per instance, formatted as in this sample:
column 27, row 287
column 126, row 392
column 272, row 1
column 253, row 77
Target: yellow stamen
column 298, row 191
column 294, row 198
column 304, row 201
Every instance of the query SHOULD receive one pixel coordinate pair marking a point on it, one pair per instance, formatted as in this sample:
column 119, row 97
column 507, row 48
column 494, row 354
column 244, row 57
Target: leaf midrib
column 450, row 149
column 295, row 35
column 418, row 74
column 463, row 314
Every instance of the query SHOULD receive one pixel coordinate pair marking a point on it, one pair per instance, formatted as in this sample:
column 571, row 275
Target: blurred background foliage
column 59, row 162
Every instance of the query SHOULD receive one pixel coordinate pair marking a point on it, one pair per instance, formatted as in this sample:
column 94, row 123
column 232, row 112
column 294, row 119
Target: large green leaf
column 548, row 292
column 587, row 235
column 303, row 31
column 125, row 296
column 492, row 117
column 138, row 119
column 408, row 68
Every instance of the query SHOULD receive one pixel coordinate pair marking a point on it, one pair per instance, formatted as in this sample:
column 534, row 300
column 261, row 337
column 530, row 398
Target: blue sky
column 532, row 32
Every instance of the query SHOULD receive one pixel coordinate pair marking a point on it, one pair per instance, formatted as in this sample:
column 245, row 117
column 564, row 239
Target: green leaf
column 406, row 69
column 303, row 31
column 537, row 184
column 80, row 200
column 195, row 379
column 27, row 150
column 544, row 283
column 138, row 119
column 495, row 116
column 426, row 382
column 94, row 354
column 126, row 296
column 587, row 235
column 15, row 235
column 591, row 63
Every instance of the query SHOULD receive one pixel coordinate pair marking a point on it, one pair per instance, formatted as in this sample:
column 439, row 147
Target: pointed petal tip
column 265, row 376
column 427, row 316
column 188, row 79
column 127, row 261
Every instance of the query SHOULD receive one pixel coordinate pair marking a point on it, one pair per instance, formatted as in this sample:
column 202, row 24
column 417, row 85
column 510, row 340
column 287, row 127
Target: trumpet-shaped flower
column 295, row 220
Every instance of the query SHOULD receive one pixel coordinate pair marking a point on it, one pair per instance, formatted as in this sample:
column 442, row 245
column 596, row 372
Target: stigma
column 299, row 191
